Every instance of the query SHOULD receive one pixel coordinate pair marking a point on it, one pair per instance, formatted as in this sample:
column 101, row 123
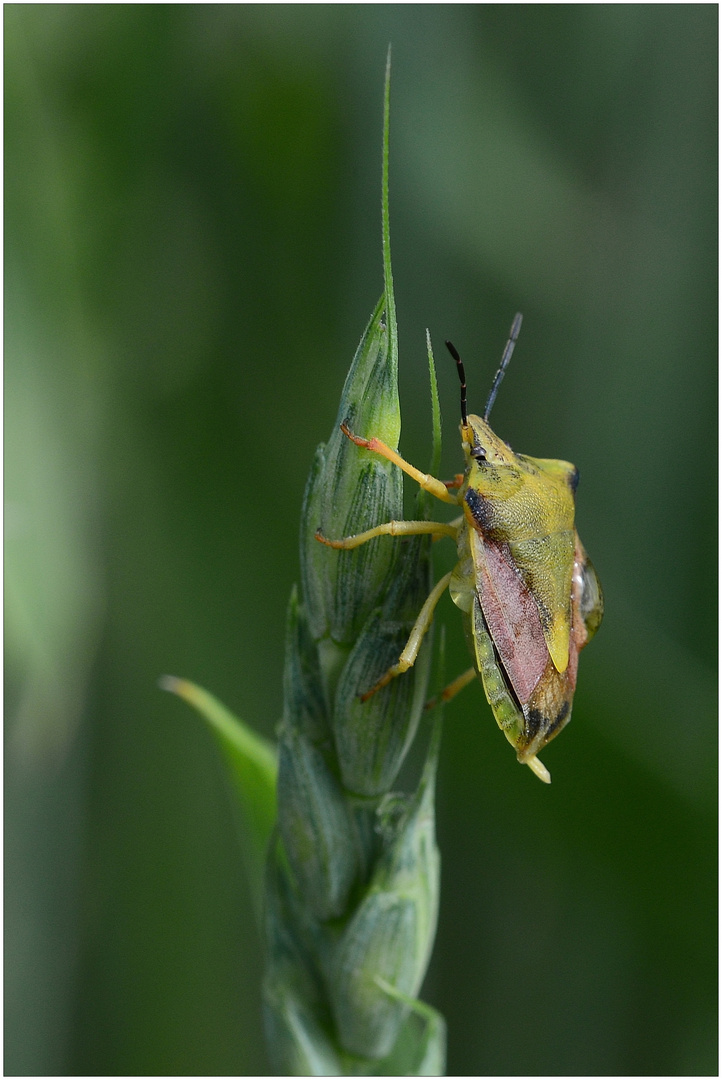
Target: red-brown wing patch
column 512, row 616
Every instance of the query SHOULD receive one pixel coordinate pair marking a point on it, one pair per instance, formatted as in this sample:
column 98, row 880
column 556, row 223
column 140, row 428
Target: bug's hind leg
column 453, row 688
column 411, row 650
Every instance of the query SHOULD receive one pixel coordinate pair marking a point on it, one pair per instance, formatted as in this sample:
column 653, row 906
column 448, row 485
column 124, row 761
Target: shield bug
column 528, row 593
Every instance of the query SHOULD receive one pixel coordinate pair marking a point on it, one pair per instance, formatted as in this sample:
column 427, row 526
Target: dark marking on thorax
column 481, row 512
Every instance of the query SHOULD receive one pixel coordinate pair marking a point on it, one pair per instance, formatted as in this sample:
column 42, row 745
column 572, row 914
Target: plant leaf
column 253, row 766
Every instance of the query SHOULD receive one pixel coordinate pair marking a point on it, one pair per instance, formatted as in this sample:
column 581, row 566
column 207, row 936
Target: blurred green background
column 193, row 247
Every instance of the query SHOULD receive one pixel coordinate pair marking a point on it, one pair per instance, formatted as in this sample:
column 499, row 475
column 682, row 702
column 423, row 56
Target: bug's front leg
column 411, row 650
column 428, row 483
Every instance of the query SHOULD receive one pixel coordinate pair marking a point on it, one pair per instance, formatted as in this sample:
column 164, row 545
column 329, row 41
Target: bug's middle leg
column 411, row 649
column 392, row 528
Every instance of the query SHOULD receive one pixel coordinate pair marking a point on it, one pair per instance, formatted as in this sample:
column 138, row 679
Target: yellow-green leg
column 428, row 483
column 453, row 688
column 436, row 529
column 392, row 528
column 411, row 650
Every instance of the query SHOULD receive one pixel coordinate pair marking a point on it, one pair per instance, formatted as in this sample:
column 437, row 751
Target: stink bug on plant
column 528, row 593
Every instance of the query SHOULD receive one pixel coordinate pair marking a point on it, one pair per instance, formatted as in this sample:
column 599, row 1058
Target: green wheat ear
column 353, row 875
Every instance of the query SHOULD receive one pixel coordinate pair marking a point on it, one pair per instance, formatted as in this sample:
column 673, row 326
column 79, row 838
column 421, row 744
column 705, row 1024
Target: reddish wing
column 512, row 616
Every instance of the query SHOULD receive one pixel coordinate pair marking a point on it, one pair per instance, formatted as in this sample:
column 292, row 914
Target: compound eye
column 478, row 453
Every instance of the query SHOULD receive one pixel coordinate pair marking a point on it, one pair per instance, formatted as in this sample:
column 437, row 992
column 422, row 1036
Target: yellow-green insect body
column 527, row 590
column 520, row 579
column 526, row 504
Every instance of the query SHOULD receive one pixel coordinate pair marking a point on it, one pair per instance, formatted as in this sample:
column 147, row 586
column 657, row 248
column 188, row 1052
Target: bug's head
column 481, row 446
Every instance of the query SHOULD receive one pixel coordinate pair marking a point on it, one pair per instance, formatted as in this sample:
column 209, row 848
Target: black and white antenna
column 508, row 350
